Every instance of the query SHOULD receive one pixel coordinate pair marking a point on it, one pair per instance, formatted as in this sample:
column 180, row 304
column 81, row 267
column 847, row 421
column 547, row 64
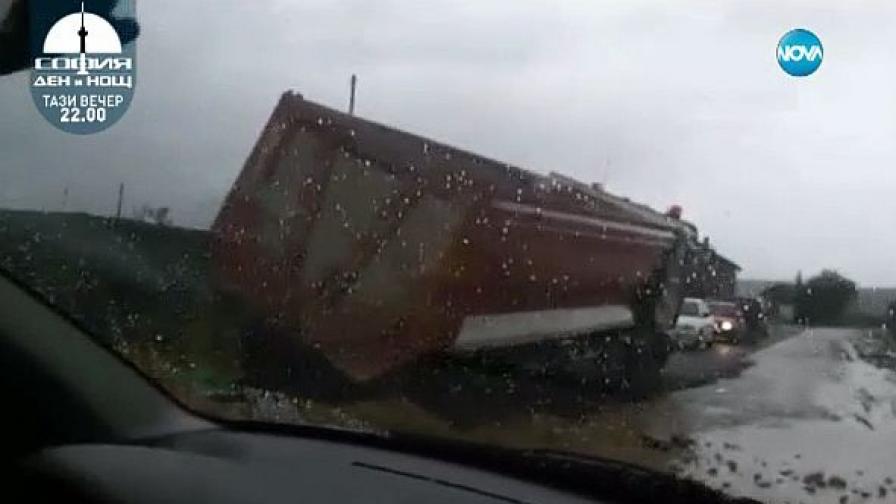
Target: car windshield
column 690, row 308
column 478, row 221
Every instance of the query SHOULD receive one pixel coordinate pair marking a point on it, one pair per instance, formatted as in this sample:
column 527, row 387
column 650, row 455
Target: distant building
column 780, row 297
column 724, row 284
column 711, row 275
column 751, row 288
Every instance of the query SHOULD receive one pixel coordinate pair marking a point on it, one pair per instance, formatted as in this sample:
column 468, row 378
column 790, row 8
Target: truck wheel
column 643, row 375
column 276, row 359
column 463, row 392
column 662, row 345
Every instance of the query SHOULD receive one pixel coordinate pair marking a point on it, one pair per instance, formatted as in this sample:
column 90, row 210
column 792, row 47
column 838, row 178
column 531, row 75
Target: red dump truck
column 375, row 249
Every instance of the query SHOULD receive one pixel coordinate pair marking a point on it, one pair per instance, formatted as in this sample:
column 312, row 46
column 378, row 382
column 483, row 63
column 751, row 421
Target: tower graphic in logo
column 83, row 76
column 82, row 34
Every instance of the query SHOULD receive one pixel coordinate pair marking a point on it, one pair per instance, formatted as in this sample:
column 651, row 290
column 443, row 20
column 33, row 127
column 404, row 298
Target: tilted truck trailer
column 374, row 249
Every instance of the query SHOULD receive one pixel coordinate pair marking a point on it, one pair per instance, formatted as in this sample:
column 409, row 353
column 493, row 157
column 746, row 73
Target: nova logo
column 800, row 52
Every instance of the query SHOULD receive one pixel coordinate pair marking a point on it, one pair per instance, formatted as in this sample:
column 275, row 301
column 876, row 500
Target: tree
column 824, row 298
column 781, row 293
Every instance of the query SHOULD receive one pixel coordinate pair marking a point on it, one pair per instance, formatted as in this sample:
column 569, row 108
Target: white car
column 695, row 325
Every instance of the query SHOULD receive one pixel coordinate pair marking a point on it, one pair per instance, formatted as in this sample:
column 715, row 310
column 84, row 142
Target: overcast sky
column 664, row 102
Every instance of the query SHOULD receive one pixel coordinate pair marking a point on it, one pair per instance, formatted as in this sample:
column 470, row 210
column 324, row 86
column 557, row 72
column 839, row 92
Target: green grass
column 140, row 288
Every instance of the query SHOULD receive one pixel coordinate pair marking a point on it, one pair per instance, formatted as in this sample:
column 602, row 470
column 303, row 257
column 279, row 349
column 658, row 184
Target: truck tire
column 644, row 361
column 276, row 359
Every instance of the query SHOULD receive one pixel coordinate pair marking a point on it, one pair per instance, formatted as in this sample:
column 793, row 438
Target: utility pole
column 120, row 199
column 606, row 171
column 351, row 99
column 64, row 198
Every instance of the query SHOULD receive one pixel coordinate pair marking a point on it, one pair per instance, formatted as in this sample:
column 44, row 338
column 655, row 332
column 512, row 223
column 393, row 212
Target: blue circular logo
column 800, row 52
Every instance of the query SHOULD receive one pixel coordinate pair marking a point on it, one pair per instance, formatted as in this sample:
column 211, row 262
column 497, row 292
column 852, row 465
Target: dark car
column 755, row 317
column 729, row 321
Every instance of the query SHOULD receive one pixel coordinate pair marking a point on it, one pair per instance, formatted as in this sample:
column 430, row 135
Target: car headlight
column 727, row 325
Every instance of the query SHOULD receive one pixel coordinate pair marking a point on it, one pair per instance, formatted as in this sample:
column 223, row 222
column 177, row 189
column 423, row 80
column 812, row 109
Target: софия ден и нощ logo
column 84, row 62
column 800, row 52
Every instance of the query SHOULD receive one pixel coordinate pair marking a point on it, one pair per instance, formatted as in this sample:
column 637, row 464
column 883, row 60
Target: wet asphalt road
column 691, row 368
column 806, row 421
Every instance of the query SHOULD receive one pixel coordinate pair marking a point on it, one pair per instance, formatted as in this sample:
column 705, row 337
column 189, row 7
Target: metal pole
column 351, row 100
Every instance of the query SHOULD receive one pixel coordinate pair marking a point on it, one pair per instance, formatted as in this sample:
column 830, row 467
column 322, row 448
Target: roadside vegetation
column 141, row 287
column 826, row 299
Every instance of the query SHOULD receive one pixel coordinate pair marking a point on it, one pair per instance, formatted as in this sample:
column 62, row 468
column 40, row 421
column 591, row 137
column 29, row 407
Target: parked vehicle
column 754, row 311
column 695, row 326
column 330, row 233
column 729, row 321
